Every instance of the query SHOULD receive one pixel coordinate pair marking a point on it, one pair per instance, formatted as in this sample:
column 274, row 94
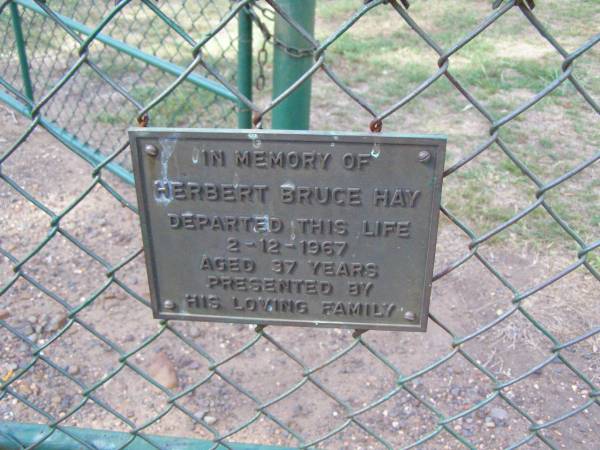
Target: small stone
column 196, row 332
column 66, row 402
column 25, row 389
column 163, row 371
column 468, row 432
column 210, row 420
column 4, row 314
column 57, row 322
column 499, row 416
column 32, row 319
column 26, row 329
column 73, row 370
column 489, row 423
column 130, row 414
column 480, row 414
column 395, row 424
column 198, row 415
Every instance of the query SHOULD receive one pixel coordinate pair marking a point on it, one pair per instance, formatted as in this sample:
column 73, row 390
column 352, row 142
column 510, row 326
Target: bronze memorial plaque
column 290, row 228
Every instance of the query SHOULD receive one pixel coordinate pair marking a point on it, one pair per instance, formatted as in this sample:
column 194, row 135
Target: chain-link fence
column 511, row 355
column 134, row 58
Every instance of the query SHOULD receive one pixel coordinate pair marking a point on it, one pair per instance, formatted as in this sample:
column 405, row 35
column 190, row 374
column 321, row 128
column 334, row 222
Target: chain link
column 268, row 37
column 28, row 264
column 261, row 58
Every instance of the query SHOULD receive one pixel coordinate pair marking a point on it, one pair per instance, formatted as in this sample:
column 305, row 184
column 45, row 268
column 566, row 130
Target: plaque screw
column 410, row 316
column 151, row 150
column 168, row 304
column 424, row 156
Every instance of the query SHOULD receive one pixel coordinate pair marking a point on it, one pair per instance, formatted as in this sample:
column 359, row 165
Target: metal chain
column 268, row 36
column 262, row 59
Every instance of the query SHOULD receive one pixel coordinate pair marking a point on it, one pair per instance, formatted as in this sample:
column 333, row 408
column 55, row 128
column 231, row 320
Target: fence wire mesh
column 129, row 64
column 511, row 357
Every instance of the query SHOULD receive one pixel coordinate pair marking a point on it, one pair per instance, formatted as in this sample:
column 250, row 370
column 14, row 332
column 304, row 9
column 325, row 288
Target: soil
column 119, row 321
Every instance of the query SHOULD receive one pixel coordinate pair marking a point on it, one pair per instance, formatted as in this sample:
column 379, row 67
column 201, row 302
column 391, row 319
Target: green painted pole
column 293, row 113
column 244, row 66
column 21, row 52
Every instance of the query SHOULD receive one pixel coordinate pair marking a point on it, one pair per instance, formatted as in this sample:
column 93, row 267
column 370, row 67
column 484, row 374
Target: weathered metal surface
column 294, row 228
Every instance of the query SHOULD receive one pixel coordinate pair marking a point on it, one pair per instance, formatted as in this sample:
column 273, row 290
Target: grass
column 384, row 59
column 51, row 51
column 503, row 67
column 176, row 110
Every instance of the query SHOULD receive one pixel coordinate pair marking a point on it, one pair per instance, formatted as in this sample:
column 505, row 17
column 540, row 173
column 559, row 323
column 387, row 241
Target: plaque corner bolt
column 410, row 316
column 169, row 305
column 424, row 156
column 151, row 150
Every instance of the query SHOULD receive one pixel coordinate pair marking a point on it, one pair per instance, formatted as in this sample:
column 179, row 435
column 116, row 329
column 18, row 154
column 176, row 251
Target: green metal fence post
column 20, row 42
column 244, row 66
column 293, row 113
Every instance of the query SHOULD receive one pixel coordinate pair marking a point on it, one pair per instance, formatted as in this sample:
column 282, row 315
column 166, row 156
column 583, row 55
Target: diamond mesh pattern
column 95, row 92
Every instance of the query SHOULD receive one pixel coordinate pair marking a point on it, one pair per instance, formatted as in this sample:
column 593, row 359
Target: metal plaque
column 289, row 228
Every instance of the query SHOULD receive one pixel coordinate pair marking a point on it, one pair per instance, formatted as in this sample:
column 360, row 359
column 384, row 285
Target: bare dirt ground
column 463, row 301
